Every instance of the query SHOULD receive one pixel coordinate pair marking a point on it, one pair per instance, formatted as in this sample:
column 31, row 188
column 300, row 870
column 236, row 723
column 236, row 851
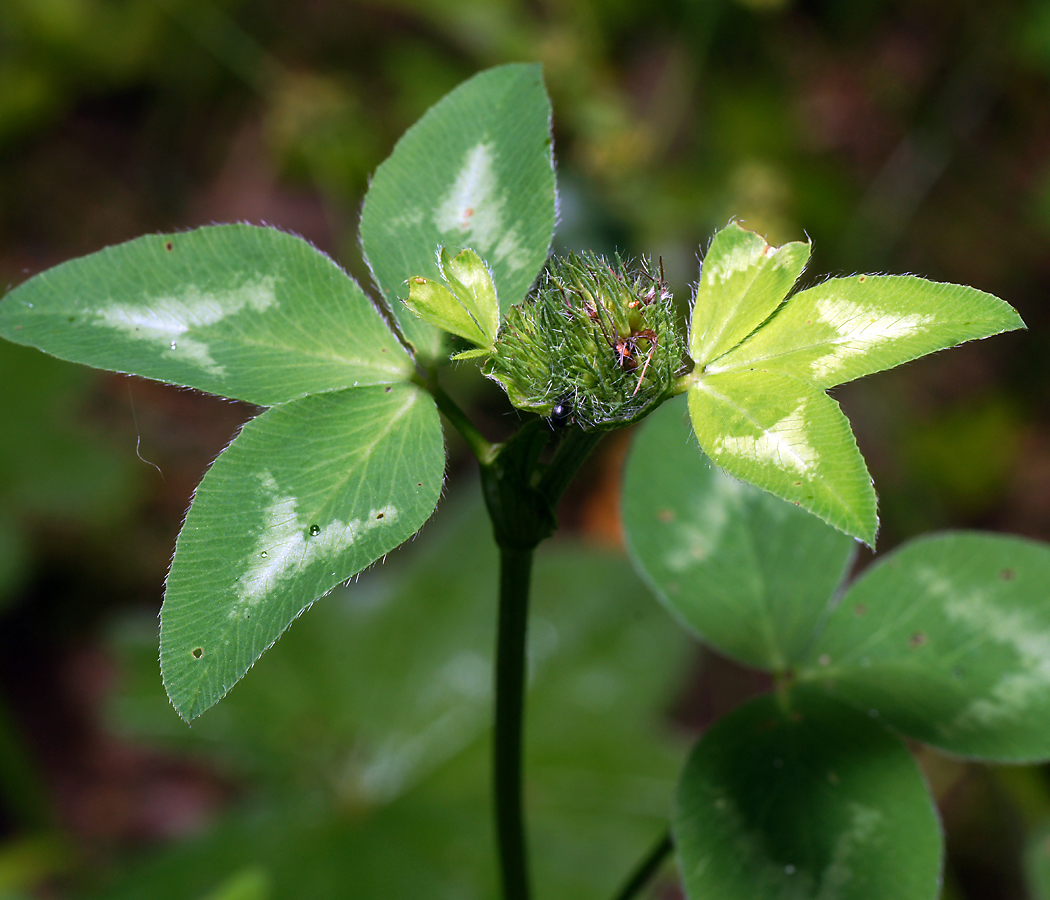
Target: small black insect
column 562, row 413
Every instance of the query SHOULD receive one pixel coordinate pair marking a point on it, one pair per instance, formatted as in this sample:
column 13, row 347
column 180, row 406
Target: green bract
column 757, row 395
column 466, row 305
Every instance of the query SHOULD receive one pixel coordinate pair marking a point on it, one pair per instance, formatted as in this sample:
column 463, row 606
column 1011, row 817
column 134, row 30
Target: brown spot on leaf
column 1007, row 575
column 917, row 639
column 169, row 246
column 860, row 609
column 665, row 515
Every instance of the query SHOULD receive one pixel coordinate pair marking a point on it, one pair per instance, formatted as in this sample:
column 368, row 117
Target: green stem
column 684, row 382
column 483, row 450
column 647, row 868
column 522, row 513
column 515, row 572
column 575, row 447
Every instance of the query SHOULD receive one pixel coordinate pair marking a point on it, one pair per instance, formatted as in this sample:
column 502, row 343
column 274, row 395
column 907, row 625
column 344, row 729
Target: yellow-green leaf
column 742, row 280
column 848, row 327
column 436, row 304
column 471, row 282
column 790, row 438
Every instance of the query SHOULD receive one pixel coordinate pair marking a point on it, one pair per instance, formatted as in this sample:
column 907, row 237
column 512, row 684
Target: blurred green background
column 899, row 136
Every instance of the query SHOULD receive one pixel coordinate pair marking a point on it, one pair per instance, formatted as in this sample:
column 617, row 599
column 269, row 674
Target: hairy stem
column 647, row 868
column 482, row 449
column 515, row 572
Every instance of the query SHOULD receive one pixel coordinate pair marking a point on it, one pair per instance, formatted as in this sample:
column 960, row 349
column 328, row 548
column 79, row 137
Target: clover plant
column 806, row 793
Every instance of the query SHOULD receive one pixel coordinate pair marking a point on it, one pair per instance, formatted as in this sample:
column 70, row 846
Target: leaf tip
column 186, row 708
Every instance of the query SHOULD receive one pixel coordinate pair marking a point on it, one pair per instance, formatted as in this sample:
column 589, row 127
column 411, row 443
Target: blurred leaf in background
column 361, row 741
column 55, row 470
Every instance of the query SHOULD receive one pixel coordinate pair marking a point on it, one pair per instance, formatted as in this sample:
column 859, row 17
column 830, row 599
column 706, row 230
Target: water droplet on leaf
column 174, row 346
column 315, row 530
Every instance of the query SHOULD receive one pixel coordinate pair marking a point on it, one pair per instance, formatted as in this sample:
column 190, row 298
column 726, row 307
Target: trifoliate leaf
column 756, row 395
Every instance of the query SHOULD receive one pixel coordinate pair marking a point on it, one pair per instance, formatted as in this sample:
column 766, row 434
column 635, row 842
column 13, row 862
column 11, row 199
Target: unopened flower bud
column 594, row 337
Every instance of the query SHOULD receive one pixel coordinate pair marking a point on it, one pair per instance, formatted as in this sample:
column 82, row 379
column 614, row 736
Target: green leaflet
column 244, row 312
column 807, row 800
column 475, row 171
column 948, row 638
column 742, row 281
column 790, row 438
column 310, row 493
column 848, row 327
column 746, row 571
column 762, row 364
